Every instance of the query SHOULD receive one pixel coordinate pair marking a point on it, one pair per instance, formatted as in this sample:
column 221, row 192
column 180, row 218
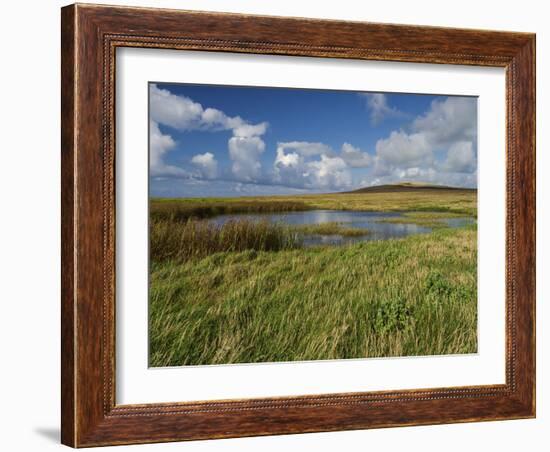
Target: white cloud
column 354, row 157
column 316, row 165
column 401, row 149
column 245, row 149
column 305, row 148
column 250, row 130
column 460, row 158
column 178, row 112
column 310, row 165
column 289, row 168
column 212, row 117
column 207, row 164
column 329, row 172
column 448, row 121
column 290, row 160
column 182, row 113
column 448, row 128
column 159, row 145
column 245, row 153
column 379, row 109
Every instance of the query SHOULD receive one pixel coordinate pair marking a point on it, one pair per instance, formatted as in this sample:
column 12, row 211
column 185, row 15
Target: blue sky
column 208, row 140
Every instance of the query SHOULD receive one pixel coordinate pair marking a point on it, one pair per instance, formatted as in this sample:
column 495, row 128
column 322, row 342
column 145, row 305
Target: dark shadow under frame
column 90, row 36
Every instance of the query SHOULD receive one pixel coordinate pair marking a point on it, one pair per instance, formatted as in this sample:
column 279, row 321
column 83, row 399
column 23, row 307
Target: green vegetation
column 248, row 291
column 413, row 296
column 179, row 241
column 427, row 219
column 183, row 209
column 438, row 200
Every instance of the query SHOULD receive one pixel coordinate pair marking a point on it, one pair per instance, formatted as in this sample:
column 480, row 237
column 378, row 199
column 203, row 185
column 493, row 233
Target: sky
column 211, row 140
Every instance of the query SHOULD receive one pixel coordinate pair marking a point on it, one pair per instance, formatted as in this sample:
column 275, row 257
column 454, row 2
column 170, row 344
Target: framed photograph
column 282, row 225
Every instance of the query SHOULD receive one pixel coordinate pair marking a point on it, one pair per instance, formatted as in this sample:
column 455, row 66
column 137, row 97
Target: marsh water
column 374, row 223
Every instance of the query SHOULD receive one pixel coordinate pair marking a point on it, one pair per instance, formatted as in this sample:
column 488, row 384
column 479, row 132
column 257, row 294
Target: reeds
column 182, row 240
column 180, row 210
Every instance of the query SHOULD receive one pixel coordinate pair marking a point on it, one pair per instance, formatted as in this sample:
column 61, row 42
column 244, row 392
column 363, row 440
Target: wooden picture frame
column 90, row 36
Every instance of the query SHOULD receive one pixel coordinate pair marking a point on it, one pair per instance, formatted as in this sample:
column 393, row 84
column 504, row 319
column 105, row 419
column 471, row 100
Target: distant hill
column 409, row 187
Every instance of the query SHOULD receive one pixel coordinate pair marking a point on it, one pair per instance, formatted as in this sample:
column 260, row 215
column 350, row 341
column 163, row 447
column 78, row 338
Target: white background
column 29, row 389
column 138, row 384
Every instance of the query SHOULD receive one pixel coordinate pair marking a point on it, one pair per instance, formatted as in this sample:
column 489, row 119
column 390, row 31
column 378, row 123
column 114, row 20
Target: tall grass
column 182, row 240
column 180, row 210
column 406, row 297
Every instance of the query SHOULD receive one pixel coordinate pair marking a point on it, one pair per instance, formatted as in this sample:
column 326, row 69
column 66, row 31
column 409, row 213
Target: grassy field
column 449, row 201
column 249, row 292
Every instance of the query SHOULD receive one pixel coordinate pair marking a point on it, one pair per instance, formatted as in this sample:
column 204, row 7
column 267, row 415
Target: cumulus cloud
column 448, row 128
column 250, row 130
column 329, row 172
column 305, row 148
column 182, row 113
column 355, row 157
column 178, row 112
column 207, row 164
column 448, row 121
column 401, row 149
column 159, row 145
column 245, row 148
column 245, row 153
column 289, row 168
column 310, row 165
column 379, row 109
column 460, row 158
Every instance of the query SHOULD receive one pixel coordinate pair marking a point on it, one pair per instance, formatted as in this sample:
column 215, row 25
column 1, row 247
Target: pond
column 375, row 224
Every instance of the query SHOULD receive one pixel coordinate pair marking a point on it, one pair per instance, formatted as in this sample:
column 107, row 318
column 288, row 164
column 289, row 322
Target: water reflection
column 377, row 230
